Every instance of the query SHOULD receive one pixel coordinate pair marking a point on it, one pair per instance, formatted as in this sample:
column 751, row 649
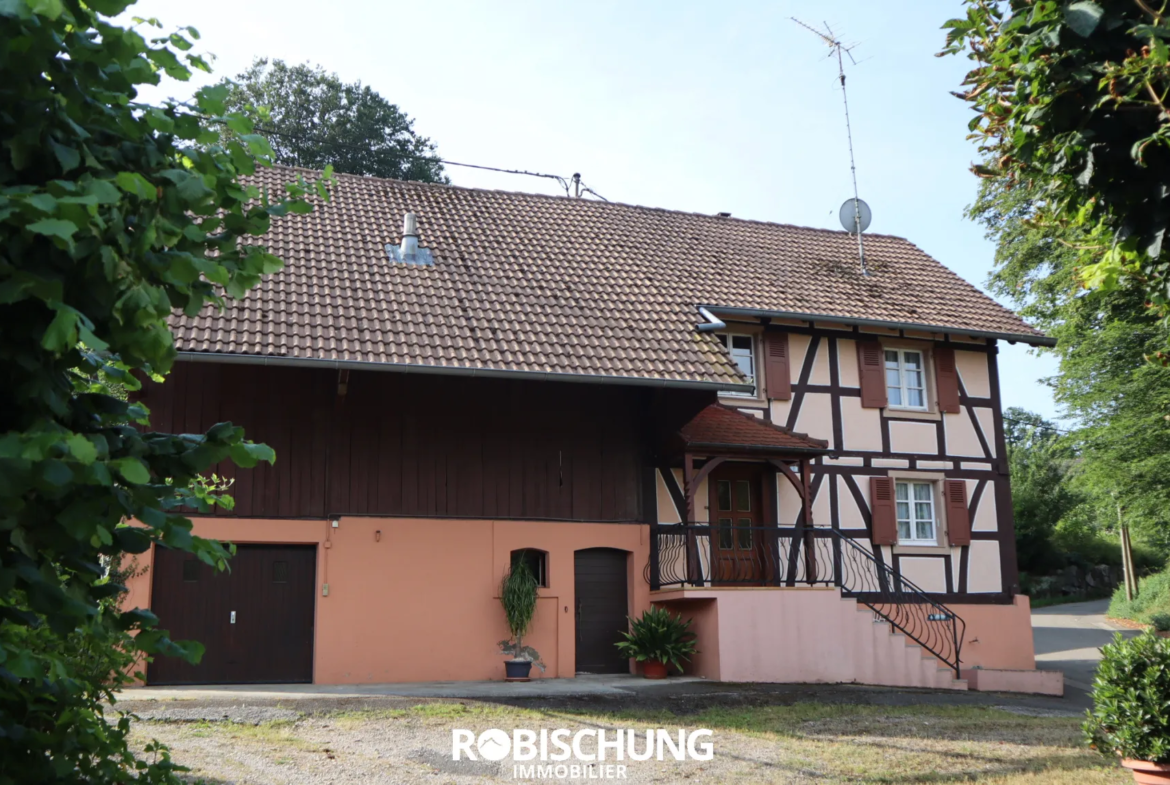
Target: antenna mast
column 837, row 47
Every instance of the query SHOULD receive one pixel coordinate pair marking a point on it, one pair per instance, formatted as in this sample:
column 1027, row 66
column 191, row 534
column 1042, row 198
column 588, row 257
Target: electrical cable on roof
column 564, row 182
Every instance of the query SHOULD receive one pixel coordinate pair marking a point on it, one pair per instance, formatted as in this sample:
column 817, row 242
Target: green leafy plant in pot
column 1130, row 717
column 659, row 638
column 518, row 596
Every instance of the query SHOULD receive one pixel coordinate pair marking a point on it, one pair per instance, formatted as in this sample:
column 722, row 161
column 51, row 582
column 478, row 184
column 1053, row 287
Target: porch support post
column 690, row 486
column 810, row 554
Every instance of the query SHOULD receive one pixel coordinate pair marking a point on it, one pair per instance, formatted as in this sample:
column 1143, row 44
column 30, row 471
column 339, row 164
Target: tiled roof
column 721, row 426
column 553, row 285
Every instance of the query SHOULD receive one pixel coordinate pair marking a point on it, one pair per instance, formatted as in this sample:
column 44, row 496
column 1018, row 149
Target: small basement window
column 537, row 561
column 743, row 352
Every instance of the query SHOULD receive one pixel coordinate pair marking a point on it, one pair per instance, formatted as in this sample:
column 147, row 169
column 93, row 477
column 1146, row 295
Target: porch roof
column 722, row 429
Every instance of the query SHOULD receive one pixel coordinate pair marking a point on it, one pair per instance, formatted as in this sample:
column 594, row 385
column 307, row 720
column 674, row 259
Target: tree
column 1117, row 399
column 1071, row 103
column 312, row 119
column 112, row 214
column 1039, row 460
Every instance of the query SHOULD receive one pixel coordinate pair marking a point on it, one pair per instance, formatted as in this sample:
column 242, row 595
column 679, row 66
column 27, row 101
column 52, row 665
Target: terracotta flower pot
column 1146, row 773
column 652, row 669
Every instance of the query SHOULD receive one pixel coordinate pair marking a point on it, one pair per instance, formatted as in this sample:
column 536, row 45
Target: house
column 720, row 416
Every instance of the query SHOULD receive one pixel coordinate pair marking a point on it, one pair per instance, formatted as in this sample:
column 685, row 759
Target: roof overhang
column 1031, row 340
column 454, row 370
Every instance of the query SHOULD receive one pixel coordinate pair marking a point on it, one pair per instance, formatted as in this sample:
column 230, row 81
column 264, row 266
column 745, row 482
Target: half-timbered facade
column 724, row 417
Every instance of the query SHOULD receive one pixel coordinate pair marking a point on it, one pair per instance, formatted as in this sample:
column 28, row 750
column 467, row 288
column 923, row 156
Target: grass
column 800, row 743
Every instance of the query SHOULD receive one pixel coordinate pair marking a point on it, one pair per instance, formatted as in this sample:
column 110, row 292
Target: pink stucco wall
column 806, row 635
column 420, row 601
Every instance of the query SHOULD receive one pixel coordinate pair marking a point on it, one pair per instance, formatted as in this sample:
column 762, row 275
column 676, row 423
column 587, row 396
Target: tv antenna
column 854, row 214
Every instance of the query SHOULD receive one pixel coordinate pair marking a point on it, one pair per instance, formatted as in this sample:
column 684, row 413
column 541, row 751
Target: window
column 905, row 379
column 734, row 532
column 915, row 511
column 537, row 562
column 743, row 352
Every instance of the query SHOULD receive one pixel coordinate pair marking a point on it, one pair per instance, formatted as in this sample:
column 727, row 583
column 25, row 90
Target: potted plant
column 1129, row 718
column 518, row 596
column 658, row 639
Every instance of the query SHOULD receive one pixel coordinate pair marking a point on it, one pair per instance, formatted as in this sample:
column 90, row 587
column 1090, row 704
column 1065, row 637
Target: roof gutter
column 447, row 370
column 1032, row 340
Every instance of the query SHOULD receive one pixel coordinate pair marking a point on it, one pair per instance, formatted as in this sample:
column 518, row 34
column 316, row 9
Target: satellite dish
column 849, row 220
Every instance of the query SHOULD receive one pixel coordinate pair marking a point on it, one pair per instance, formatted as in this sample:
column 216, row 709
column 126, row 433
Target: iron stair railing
column 701, row 555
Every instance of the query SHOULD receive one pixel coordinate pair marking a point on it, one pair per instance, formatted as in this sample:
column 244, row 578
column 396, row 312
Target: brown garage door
column 602, row 605
column 256, row 621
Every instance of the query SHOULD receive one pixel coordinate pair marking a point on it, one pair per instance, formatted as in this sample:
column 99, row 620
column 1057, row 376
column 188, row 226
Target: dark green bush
column 1153, row 598
column 1130, row 717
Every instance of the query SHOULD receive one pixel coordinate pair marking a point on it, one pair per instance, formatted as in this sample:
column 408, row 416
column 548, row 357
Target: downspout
column 712, row 322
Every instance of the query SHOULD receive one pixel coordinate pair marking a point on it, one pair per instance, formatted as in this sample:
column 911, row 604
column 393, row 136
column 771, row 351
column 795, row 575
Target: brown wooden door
column 737, row 545
column 255, row 622
column 602, row 609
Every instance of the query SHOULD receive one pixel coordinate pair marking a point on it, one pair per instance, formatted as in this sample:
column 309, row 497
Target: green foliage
column 1040, row 462
column 1070, row 102
column 1153, row 599
column 1130, row 717
column 659, row 636
column 1120, row 454
column 1160, row 621
column 518, row 596
column 312, row 119
column 112, row 215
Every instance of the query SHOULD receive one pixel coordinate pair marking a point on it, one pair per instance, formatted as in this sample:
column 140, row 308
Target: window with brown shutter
column 871, row 370
column 777, row 376
column 946, row 379
column 881, row 505
column 958, row 519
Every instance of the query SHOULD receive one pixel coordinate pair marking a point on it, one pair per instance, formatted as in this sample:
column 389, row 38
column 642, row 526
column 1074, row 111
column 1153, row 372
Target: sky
column 687, row 105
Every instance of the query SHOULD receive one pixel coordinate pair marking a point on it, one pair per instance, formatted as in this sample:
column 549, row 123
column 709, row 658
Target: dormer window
column 743, row 352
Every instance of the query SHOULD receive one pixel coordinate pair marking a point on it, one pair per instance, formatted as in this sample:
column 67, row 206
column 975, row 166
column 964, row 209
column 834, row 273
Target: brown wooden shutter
column 872, row 371
column 885, row 516
column 777, row 377
column 958, row 520
column 947, row 379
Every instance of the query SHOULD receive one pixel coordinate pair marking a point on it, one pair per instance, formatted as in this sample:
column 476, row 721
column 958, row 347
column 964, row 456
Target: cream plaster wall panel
column 929, row 574
column 820, row 371
column 935, row 465
column 913, row 437
column 861, row 429
column 961, row 436
column 987, row 424
column 816, row 417
column 975, row 466
column 753, row 411
column 667, row 512
column 973, row 371
column 983, row 574
column 847, row 362
column 797, row 348
column 780, row 411
column 850, row 517
column 789, row 507
column 891, row 463
column 821, row 505
column 848, row 460
column 986, row 515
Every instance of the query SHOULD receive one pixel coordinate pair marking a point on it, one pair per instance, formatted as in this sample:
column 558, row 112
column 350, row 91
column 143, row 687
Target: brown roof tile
column 720, row 426
column 553, row 285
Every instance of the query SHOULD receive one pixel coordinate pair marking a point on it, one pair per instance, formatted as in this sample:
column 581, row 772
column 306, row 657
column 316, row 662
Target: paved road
column 1069, row 637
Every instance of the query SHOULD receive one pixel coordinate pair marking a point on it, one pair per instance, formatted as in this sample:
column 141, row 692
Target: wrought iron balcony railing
column 700, row 555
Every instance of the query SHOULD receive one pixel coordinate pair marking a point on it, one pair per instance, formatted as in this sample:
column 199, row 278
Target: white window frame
column 912, row 503
column 755, row 357
column 925, row 407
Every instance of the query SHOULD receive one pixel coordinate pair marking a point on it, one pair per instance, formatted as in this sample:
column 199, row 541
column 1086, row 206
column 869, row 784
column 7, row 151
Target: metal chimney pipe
column 409, row 247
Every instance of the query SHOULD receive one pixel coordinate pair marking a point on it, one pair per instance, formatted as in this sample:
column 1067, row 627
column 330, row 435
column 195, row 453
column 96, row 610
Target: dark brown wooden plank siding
column 413, row 444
